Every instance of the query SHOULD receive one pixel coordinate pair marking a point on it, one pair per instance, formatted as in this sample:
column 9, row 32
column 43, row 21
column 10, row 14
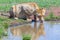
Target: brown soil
column 55, row 10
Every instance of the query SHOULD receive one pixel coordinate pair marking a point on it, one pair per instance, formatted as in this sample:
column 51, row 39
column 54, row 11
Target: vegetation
column 51, row 16
column 26, row 37
column 6, row 4
column 4, row 24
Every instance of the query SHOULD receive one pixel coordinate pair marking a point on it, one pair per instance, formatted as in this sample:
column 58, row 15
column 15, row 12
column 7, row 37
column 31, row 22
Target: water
column 38, row 31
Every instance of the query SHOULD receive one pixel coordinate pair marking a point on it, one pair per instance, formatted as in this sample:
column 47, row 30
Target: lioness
column 26, row 10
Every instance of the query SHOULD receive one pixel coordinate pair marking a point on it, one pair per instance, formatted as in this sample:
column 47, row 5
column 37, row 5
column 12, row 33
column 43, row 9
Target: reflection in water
column 38, row 31
column 33, row 30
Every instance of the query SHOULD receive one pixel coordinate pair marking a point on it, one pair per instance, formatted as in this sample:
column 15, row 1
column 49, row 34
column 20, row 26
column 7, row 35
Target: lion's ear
column 43, row 11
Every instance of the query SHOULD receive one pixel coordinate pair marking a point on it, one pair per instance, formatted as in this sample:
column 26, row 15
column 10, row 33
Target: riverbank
column 52, row 19
column 5, row 22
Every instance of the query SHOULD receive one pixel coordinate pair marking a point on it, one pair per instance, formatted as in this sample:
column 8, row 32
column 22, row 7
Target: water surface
column 38, row 31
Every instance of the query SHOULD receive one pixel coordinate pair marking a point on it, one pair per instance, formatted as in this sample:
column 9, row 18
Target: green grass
column 26, row 37
column 6, row 4
column 4, row 24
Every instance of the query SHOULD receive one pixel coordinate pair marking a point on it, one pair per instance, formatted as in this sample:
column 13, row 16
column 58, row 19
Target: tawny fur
column 29, row 8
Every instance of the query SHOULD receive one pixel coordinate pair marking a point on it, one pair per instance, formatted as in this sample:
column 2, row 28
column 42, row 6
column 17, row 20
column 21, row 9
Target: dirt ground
column 54, row 10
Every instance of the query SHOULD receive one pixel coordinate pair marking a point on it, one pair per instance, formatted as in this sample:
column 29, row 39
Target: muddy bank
column 18, row 24
column 53, row 20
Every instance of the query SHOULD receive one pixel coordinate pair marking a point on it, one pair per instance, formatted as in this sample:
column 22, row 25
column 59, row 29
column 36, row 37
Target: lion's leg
column 16, row 16
column 35, row 18
column 41, row 19
column 29, row 18
column 11, row 14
